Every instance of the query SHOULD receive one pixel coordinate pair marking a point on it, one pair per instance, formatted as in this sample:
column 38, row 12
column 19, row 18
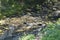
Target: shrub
column 52, row 32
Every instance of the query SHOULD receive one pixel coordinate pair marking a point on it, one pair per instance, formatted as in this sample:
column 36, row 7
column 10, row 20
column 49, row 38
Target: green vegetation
column 52, row 32
column 27, row 37
column 52, row 35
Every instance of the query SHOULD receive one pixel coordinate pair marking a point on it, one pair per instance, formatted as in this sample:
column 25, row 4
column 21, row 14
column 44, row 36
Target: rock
column 55, row 15
column 2, row 22
column 21, row 24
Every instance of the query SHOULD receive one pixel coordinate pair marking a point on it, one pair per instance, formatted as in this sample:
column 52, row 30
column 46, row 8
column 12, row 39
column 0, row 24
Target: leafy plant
column 52, row 32
column 28, row 37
